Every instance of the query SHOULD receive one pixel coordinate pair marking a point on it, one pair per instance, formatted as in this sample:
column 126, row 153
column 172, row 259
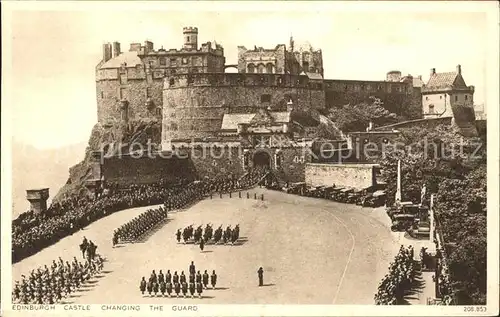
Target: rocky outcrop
column 110, row 137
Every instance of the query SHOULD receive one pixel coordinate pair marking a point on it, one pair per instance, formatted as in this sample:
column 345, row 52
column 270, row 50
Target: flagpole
column 398, row 189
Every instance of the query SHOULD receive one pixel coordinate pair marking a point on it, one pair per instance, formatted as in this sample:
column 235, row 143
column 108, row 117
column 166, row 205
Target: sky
column 54, row 53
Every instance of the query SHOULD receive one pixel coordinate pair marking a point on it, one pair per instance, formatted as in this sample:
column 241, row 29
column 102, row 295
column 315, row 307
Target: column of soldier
column 393, row 287
column 49, row 286
column 208, row 234
column 169, row 284
column 138, row 226
column 174, row 198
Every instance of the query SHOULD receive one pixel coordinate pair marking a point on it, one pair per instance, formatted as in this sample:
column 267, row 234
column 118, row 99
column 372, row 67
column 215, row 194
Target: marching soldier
column 202, row 244
column 191, row 278
column 163, row 287
column 175, row 278
column 213, row 279
column 191, row 289
column 184, row 288
column 177, row 288
column 182, row 278
column 153, row 277
column 161, row 277
column 168, row 277
column 199, row 289
column 205, row 279
column 169, row 288
column 142, row 285
column 178, row 234
column 192, row 269
column 198, row 277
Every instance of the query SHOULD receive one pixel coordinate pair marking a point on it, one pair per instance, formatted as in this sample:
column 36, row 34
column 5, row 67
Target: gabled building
column 444, row 91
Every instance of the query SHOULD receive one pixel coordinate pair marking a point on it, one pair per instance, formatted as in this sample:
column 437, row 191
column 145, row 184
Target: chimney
column 116, row 49
column 459, row 69
column 38, row 199
column 106, row 52
column 433, row 71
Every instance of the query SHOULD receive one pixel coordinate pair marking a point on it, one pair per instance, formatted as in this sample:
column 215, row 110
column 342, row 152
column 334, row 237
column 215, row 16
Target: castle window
column 151, row 64
column 102, row 94
column 269, row 68
column 261, row 68
column 305, row 66
column 163, row 61
column 148, row 92
column 456, row 98
column 172, row 82
column 188, row 39
column 251, row 68
column 173, row 62
column 440, row 97
column 265, row 98
column 431, row 108
column 173, row 71
column 185, row 60
column 123, row 93
column 466, row 97
column 280, row 80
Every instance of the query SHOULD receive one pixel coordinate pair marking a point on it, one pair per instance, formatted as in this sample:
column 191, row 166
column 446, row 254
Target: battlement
column 190, row 29
column 367, row 86
column 240, row 80
column 38, row 199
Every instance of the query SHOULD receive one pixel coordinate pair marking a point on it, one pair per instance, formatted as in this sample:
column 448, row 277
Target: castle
column 268, row 113
column 134, row 80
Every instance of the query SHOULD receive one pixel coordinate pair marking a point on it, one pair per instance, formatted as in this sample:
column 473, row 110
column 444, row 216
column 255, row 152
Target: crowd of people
column 402, row 271
column 31, row 232
column 50, row 285
column 170, row 284
column 208, row 234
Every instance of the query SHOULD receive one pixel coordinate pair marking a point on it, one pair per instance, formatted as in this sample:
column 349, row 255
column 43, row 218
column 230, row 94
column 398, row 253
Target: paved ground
column 313, row 251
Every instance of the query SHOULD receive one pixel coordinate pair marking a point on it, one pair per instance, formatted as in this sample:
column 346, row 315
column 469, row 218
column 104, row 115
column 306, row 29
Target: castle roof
column 130, row 58
column 442, row 80
column 231, row 121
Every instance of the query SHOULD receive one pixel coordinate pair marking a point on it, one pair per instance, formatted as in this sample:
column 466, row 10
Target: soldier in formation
column 50, row 285
column 179, row 284
column 209, row 235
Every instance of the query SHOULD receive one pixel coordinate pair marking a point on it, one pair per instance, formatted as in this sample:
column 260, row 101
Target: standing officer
column 260, row 272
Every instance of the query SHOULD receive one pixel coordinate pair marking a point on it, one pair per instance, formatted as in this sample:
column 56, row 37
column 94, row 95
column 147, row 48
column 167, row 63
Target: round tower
column 190, row 38
column 394, row 75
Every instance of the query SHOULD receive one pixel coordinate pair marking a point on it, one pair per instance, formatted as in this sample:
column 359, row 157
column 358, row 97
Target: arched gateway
column 262, row 159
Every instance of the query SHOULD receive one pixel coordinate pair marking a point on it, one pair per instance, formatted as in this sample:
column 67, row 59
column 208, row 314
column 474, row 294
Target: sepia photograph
column 250, row 158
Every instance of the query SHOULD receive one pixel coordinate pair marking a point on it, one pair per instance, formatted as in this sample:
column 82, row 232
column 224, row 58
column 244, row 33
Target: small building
column 444, row 91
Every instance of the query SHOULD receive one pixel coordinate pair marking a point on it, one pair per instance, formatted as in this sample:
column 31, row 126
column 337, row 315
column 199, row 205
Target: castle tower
column 190, row 38
column 107, row 52
column 38, row 199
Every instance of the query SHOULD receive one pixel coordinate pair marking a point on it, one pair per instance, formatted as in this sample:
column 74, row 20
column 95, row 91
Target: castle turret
column 107, row 53
column 38, row 199
column 394, row 75
column 116, row 49
column 190, row 38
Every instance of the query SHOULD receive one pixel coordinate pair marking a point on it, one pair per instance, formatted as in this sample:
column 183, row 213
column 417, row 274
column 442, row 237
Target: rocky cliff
column 108, row 137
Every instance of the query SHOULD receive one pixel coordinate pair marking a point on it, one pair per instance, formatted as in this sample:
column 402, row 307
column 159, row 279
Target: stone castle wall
column 194, row 104
column 127, row 170
column 341, row 175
